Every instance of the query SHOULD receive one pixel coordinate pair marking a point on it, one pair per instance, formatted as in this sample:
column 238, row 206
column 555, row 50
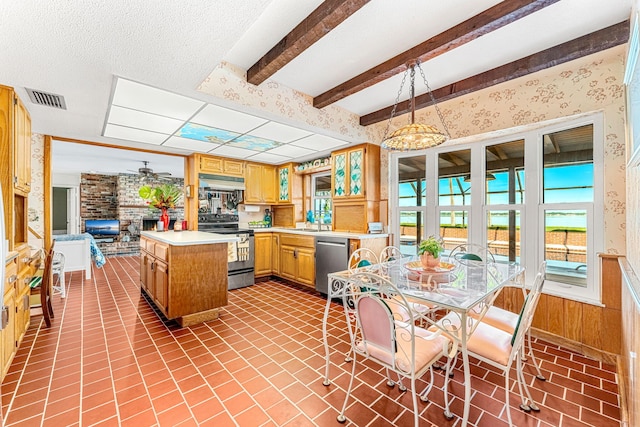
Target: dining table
column 467, row 289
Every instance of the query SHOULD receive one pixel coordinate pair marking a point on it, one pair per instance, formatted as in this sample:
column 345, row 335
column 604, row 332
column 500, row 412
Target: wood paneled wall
column 591, row 330
column 630, row 354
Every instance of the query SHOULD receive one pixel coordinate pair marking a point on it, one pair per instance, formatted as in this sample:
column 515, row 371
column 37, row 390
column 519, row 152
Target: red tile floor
column 109, row 360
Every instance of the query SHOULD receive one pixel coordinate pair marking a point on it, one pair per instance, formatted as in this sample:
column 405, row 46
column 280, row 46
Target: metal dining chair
column 379, row 336
column 58, row 269
column 363, row 257
column 502, row 349
column 471, row 254
column 508, row 321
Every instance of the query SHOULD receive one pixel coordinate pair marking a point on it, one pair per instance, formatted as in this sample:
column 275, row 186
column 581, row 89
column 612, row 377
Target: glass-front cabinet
column 349, row 172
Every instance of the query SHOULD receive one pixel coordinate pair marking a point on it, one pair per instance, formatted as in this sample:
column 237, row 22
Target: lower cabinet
column 186, row 282
column 263, row 254
column 8, row 340
column 297, row 258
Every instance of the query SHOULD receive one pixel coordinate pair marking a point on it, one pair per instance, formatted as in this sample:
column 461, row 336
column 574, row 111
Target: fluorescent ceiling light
column 224, row 118
column 238, row 153
column 279, row 132
column 318, row 142
column 131, row 134
column 141, row 120
column 291, row 151
column 270, row 158
column 190, row 144
column 146, row 98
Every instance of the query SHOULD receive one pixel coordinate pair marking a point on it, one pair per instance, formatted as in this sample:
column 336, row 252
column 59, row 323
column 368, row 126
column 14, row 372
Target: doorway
column 66, row 210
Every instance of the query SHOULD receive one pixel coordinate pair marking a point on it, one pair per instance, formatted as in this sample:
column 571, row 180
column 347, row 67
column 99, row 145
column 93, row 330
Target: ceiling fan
column 147, row 172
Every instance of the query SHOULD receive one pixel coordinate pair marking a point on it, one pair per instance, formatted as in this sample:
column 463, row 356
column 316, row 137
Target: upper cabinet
column 260, row 183
column 15, row 157
column 289, row 184
column 220, row 165
column 22, row 157
column 356, row 173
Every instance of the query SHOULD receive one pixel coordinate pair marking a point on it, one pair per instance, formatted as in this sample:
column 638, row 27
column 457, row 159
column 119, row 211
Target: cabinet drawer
column 296, row 240
column 233, row 167
column 24, row 258
column 149, row 246
column 11, row 275
column 161, row 251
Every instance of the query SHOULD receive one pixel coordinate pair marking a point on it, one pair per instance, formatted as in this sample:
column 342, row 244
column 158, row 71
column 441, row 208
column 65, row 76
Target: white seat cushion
column 499, row 318
column 485, row 341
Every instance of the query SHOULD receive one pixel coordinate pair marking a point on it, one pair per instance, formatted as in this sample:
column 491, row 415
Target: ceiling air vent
column 47, row 99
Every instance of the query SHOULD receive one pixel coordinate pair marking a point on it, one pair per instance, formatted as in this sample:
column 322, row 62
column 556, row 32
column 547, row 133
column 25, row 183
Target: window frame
column 532, row 236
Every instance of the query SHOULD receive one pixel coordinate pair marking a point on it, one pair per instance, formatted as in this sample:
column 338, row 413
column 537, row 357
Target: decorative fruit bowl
column 436, row 274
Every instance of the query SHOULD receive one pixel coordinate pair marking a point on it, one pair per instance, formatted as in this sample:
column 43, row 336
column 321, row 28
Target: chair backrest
column 390, row 253
column 469, row 253
column 367, row 298
column 529, row 307
column 362, row 257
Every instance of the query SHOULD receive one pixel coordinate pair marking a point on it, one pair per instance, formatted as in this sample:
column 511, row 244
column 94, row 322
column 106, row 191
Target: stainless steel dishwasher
column 332, row 254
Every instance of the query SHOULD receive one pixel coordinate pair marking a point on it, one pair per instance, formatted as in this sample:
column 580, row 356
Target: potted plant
column 162, row 197
column 429, row 251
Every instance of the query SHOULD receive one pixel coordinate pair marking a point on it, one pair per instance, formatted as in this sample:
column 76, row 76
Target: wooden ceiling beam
column 498, row 16
column 577, row 48
column 325, row 18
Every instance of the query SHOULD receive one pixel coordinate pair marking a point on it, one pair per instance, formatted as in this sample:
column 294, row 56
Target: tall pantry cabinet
column 15, row 179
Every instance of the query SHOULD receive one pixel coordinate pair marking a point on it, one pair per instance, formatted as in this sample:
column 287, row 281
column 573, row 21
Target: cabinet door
column 284, row 184
column 355, row 167
column 253, row 176
column 275, row 252
column 161, row 282
column 233, row 167
column 22, row 135
column 211, row 165
column 262, row 251
column 269, row 189
column 306, row 266
column 23, row 314
column 288, row 262
column 340, row 174
column 150, row 276
column 8, row 340
column 144, row 261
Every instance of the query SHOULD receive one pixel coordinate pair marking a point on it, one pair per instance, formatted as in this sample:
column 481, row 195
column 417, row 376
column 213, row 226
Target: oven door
column 241, row 256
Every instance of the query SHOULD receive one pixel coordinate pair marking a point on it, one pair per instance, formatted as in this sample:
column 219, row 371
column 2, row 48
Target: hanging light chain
column 433, row 100
column 395, row 104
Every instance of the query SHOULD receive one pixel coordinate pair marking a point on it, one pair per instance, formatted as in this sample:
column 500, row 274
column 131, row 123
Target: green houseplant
column 429, row 251
column 163, row 197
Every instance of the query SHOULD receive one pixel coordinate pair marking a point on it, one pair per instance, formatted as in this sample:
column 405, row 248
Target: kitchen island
column 184, row 273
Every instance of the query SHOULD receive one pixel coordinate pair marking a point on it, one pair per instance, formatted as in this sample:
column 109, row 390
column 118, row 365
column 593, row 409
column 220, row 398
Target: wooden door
column 262, row 251
column 253, row 176
column 306, row 266
column 22, row 135
column 288, row 262
column 8, row 340
column 269, row 188
column 284, row 184
column 161, row 282
column 275, row 254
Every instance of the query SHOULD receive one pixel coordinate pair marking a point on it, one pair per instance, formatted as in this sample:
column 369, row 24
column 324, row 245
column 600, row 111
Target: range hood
column 221, row 182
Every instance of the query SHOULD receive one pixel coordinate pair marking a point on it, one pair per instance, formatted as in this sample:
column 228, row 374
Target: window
column 532, row 196
column 321, row 197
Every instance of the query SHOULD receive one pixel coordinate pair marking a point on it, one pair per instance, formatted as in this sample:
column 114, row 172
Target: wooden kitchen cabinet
column 260, row 183
column 297, row 258
column 8, row 340
column 275, row 254
column 355, row 173
column 263, row 259
column 221, row 165
column 289, row 185
column 22, row 157
column 186, row 282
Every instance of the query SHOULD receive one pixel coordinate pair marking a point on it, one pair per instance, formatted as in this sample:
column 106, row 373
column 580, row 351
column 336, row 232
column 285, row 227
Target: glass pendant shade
column 415, row 136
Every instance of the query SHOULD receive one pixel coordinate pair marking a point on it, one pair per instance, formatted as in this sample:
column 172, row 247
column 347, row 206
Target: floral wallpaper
column 36, row 196
column 593, row 83
column 229, row 83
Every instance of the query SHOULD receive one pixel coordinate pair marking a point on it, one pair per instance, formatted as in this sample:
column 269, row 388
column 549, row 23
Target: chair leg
column 530, row 402
column 533, row 358
column 449, row 366
column 506, row 395
column 341, row 418
column 424, row 396
column 415, row 400
column 520, row 380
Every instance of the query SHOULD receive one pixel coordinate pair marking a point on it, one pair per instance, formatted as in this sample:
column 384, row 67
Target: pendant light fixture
column 414, row 136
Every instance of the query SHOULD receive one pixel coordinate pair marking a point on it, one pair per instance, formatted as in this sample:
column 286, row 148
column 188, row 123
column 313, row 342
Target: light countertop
column 185, row 238
column 318, row 233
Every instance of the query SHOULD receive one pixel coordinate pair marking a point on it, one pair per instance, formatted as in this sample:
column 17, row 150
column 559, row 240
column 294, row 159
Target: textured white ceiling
column 75, row 48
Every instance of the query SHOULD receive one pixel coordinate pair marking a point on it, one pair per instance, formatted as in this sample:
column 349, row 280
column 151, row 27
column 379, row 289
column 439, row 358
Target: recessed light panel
column 254, row 143
column 319, row 142
column 224, row 118
column 279, row 132
column 270, row 158
column 190, row 144
column 237, row 153
column 131, row 134
column 138, row 119
column 206, row 133
column 151, row 100
column 289, row 150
